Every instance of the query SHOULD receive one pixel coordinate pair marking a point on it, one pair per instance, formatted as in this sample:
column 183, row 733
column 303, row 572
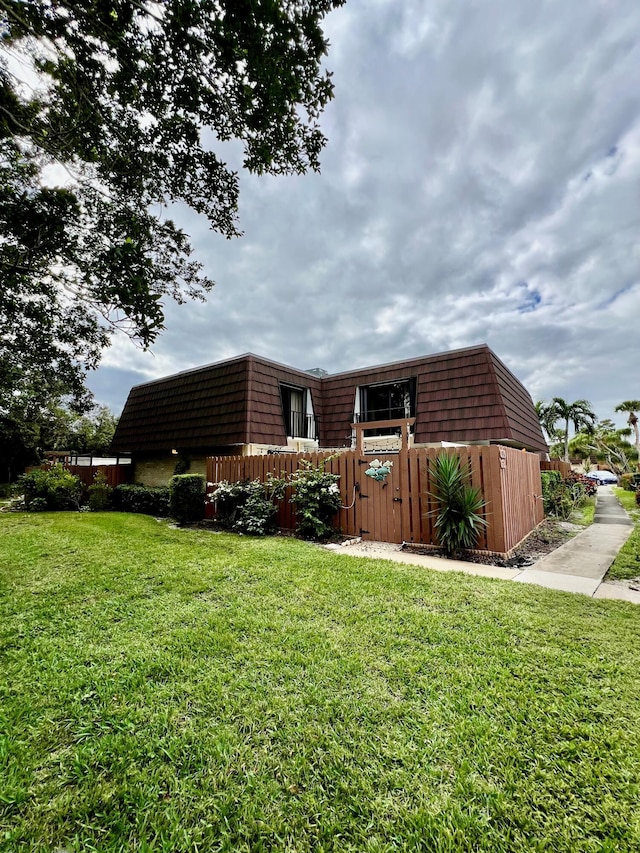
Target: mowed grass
column 177, row 690
column 627, row 564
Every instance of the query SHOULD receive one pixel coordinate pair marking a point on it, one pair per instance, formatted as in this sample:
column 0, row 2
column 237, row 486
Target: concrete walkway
column 580, row 564
column 577, row 566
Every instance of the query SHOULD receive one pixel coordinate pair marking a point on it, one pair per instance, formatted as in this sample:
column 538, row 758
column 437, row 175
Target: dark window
column 388, row 401
column 298, row 424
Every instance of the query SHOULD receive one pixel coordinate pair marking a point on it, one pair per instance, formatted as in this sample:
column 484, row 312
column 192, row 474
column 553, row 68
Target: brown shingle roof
column 462, row 395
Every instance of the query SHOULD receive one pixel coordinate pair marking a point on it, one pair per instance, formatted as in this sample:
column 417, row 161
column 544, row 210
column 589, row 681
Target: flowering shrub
column 626, row 482
column 563, row 495
column 575, row 481
column 249, row 506
column 317, row 499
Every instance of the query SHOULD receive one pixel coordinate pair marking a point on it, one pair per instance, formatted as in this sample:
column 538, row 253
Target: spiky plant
column 458, row 515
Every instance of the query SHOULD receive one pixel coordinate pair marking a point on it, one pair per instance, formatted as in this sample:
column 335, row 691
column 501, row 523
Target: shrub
column 149, row 500
column 562, row 496
column 55, row 486
column 638, row 497
column 458, row 519
column 559, row 501
column 5, row 490
column 317, row 499
column 186, row 497
column 248, row 506
column 100, row 494
column 582, row 486
column 626, row 482
column 550, row 480
column 37, row 505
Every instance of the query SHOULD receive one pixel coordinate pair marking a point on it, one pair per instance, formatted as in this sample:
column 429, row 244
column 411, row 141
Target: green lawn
column 178, row 690
column 584, row 515
column 627, row 563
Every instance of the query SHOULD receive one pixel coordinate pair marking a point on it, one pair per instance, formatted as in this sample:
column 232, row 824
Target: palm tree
column 547, row 417
column 632, row 406
column 579, row 413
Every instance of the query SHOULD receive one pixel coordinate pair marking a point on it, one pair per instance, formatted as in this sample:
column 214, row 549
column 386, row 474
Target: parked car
column 603, row 478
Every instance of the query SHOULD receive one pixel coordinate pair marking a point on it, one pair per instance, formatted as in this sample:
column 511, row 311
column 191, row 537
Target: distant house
column 249, row 404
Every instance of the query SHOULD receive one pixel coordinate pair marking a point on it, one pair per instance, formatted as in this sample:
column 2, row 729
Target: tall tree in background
column 35, row 427
column 579, row 413
column 608, row 444
column 91, row 433
column 547, row 417
column 132, row 103
column 632, row 407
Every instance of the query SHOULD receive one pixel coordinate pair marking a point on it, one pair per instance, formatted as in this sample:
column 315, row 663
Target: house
column 251, row 405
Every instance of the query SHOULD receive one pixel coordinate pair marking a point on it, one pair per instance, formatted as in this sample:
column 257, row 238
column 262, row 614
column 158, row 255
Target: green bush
column 149, row 500
column 250, row 506
column 458, row 520
column 37, row 505
column 549, row 479
column 317, row 499
column 638, row 497
column 5, row 490
column 100, row 494
column 186, row 497
column 55, row 486
column 626, row 482
column 559, row 502
column 561, row 496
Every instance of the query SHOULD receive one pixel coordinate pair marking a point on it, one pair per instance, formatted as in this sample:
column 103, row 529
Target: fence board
column 556, row 465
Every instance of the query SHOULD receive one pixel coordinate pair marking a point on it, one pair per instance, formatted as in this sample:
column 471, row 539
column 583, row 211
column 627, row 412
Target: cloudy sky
column 481, row 183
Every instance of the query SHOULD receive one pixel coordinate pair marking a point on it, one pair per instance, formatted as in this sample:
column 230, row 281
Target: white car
column 603, row 478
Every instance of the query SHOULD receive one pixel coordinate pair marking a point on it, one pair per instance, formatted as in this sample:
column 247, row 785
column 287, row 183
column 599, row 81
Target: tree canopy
column 33, row 428
column 608, row 444
column 579, row 413
column 132, row 104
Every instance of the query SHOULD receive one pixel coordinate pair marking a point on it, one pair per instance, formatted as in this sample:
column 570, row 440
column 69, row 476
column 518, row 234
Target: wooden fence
column 556, row 465
column 400, row 509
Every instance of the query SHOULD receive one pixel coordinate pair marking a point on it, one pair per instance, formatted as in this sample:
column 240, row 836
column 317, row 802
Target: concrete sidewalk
column 577, row 566
column 580, row 564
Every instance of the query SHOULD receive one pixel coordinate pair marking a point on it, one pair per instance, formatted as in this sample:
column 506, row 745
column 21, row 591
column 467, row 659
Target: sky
column 480, row 184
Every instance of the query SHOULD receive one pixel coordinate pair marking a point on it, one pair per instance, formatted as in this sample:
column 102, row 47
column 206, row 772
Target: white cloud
column 481, row 183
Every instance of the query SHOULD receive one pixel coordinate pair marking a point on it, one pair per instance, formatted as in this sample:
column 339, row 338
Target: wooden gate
column 379, row 502
column 379, row 511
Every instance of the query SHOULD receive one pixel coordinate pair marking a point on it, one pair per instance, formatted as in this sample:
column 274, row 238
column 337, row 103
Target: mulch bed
column 545, row 538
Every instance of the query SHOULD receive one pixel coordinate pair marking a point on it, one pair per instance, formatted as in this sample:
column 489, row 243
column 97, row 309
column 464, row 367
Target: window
column 298, row 416
column 388, row 401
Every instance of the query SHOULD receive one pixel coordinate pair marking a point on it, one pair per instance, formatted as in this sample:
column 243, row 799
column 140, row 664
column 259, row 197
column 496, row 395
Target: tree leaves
column 128, row 93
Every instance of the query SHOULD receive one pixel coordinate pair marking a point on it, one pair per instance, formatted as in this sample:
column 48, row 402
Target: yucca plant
column 458, row 519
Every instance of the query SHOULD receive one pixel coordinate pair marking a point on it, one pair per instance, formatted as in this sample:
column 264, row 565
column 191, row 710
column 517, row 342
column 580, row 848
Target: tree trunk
column 566, row 440
column 633, row 420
